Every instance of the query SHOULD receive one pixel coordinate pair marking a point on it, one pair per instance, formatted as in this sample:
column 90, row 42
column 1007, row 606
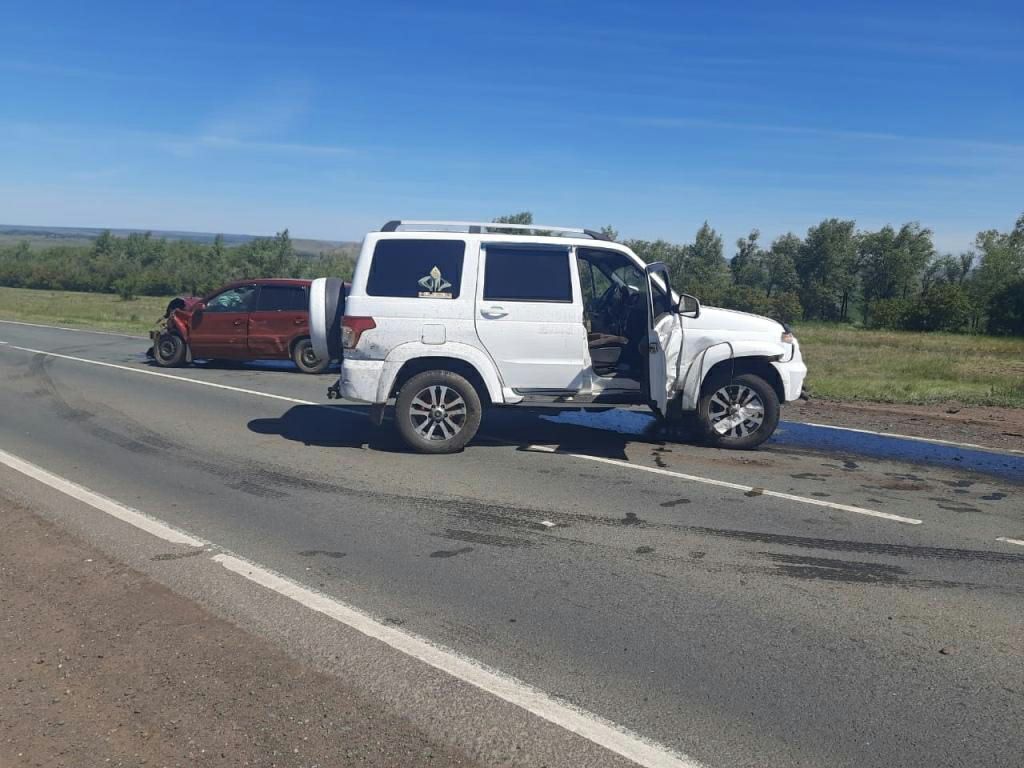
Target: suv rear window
column 416, row 268
column 527, row 274
column 282, row 297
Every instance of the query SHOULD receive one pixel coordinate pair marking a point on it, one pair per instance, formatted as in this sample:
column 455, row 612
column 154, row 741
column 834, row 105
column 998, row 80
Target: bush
column 944, row 307
column 1006, row 311
column 889, row 313
column 785, row 307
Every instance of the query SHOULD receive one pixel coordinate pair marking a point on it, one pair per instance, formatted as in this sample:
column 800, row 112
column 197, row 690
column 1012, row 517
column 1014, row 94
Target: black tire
column 170, row 351
column 430, row 405
column 305, row 357
column 720, row 394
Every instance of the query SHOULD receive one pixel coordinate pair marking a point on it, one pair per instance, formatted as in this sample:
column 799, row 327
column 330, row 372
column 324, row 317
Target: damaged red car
column 266, row 319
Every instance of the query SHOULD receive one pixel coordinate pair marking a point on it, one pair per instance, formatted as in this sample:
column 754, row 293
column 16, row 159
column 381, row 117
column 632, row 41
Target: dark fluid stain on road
column 451, row 552
column 829, row 569
column 178, row 555
column 899, row 485
column 809, row 476
column 656, row 454
column 325, row 553
column 959, row 483
column 959, row 508
column 821, row 494
column 866, row 547
column 674, row 503
column 487, row 539
column 391, row 621
column 994, row 496
column 631, row 519
column 697, row 555
column 754, row 492
column 644, row 550
column 1003, row 465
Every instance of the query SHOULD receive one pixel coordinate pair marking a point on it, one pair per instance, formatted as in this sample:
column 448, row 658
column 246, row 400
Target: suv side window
column 234, row 300
column 527, row 274
column 408, row 268
column 289, row 298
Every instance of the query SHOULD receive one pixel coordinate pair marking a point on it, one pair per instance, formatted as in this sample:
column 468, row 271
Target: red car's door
column 221, row 327
column 281, row 314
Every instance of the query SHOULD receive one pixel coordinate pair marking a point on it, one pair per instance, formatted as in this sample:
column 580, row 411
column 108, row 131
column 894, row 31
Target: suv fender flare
column 691, row 381
column 402, row 354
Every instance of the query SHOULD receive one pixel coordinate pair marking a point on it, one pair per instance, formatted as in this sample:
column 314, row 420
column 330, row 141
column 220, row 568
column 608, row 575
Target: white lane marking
column 3, row 342
column 74, row 330
column 165, row 375
column 1018, row 542
column 912, row 437
column 596, row 729
column 102, row 503
column 592, row 727
column 734, row 486
column 187, row 380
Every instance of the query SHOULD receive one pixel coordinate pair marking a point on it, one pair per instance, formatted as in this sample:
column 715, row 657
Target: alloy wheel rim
column 736, row 411
column 309, row 356
column 438, row 412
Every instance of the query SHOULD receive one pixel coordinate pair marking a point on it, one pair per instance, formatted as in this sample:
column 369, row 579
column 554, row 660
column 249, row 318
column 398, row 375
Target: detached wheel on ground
column 437, row 412
column 306, row 359
column 169, row 350
column 739, row 413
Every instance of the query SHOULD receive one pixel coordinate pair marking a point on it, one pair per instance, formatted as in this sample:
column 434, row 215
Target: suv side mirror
column 688, row 306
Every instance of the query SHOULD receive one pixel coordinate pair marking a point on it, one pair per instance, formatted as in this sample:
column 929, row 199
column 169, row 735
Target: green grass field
column 845, row 363
column 901, row 367
column 101, row 311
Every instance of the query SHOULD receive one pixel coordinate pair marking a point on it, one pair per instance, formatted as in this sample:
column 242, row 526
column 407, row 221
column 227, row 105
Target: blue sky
column 330, row 118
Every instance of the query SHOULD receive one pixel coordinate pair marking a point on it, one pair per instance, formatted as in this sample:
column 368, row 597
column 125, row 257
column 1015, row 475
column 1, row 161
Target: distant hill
column 43, row 237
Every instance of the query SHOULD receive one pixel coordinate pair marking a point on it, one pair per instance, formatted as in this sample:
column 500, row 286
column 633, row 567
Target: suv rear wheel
column 437, row 412
column 739, row 413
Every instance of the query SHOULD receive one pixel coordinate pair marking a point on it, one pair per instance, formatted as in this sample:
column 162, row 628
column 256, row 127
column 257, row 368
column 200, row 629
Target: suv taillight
column 352, row 328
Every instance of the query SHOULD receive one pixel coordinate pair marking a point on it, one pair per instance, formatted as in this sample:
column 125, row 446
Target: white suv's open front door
column 664, row 338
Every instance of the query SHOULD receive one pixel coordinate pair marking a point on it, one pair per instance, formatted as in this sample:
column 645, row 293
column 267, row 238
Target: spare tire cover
column 326, row 308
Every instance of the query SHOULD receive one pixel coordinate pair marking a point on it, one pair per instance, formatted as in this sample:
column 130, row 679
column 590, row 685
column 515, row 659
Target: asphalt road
column 617, row 573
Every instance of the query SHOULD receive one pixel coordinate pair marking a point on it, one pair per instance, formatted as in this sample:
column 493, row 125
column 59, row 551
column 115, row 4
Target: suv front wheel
column 437, row 412
column 739, row 413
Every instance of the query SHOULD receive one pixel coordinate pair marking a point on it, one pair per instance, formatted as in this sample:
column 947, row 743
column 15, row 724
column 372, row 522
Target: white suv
column 447, row 317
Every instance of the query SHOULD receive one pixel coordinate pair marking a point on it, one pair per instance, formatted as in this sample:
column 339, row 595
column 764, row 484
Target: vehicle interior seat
column 605, row 351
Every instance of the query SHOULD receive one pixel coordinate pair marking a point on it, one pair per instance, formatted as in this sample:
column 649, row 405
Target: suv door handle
column 493, row 312
column 299, row 320
column 238, row 322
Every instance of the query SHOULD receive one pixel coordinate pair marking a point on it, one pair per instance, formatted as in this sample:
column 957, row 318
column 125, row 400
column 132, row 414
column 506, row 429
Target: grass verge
column 99, row 311
column 903, row 367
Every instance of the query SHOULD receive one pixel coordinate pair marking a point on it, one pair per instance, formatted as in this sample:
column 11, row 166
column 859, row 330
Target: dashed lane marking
column 1018, row 542
column 734, row 486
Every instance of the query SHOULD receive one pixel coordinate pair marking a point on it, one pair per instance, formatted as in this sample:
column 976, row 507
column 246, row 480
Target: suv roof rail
column 477, row 227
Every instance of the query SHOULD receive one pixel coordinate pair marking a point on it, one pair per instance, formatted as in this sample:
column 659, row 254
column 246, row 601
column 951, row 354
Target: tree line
column 140, row 264
column 889, row 278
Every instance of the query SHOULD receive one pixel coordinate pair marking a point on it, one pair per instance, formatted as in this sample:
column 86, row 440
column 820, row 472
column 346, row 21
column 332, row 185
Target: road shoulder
column 105, row 666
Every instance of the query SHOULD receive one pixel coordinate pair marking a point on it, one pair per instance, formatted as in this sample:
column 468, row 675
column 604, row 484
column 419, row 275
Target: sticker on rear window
column 434, row 286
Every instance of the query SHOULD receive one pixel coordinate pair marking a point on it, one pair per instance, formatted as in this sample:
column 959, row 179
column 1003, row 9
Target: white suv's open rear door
column 664, row 337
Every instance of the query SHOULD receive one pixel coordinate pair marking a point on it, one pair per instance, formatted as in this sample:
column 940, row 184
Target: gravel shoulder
column 103, row 666
column 1001, row 428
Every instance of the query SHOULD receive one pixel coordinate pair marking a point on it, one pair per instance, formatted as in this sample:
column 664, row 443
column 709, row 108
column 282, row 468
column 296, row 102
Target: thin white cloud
column 835, row 133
